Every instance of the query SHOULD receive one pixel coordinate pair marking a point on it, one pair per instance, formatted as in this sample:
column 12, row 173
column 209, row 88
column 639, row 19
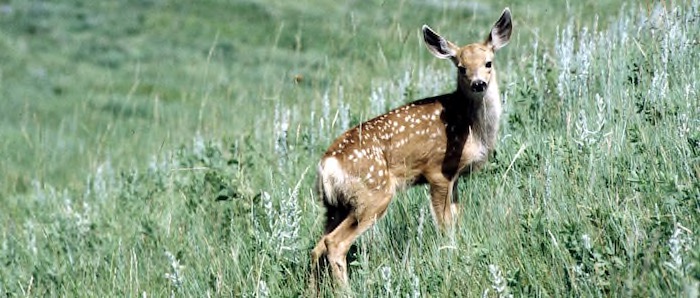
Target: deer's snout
column 478, row 86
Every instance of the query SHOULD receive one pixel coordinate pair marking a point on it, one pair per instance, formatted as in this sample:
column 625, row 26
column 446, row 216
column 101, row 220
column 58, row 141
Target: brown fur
column 432, row 140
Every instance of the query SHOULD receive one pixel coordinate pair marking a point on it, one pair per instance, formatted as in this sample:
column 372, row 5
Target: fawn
column 432, row 140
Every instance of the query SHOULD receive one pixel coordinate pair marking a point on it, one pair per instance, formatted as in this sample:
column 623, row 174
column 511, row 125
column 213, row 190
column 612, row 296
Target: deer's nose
column 478, row 86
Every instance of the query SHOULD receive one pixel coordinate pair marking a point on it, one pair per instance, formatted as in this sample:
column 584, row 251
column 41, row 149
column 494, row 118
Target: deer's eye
column 462, row 70
column 488, row 64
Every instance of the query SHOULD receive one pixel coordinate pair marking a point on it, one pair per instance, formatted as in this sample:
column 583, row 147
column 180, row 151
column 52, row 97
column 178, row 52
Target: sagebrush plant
column 498, row 283
column 593, row 191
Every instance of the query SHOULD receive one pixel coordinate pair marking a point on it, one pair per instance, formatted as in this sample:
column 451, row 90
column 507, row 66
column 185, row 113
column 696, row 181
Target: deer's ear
column 437, row 45
column 500, row 33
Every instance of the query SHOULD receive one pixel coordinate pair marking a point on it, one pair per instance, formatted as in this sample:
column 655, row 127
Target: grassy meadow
column 168, row 148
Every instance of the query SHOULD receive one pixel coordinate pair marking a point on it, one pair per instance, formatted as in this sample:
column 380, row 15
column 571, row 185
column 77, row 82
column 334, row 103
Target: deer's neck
column 480, row 112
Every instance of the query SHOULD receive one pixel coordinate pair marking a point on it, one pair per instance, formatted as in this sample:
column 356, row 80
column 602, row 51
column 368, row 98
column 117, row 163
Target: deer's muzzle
column 478, row 86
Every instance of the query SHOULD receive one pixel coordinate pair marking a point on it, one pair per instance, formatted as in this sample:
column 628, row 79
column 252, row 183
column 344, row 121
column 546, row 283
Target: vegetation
column 159, row 147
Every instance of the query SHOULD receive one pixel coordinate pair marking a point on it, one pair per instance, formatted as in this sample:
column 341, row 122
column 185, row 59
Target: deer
column 429, row 141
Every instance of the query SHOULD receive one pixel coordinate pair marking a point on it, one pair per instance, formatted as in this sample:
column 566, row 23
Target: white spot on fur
column 358, row 153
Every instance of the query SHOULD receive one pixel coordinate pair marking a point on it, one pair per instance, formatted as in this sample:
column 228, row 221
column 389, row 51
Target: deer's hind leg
column 334, row 217
column 371, row 207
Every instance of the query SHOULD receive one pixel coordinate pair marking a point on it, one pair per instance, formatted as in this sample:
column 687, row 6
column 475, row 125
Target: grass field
column 166, row 148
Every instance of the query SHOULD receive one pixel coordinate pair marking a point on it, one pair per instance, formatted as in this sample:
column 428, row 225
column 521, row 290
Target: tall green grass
column 165, row 154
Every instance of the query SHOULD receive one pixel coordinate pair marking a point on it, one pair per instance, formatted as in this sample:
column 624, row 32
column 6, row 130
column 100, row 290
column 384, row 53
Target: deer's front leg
column 444, row 201
column 454, row 205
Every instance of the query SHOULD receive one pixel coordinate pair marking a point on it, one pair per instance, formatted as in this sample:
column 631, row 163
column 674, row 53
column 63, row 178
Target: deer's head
column 474, row 62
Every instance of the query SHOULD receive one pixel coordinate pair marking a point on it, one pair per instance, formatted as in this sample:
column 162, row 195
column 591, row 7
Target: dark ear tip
column 506, row 12
column 428, row 32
